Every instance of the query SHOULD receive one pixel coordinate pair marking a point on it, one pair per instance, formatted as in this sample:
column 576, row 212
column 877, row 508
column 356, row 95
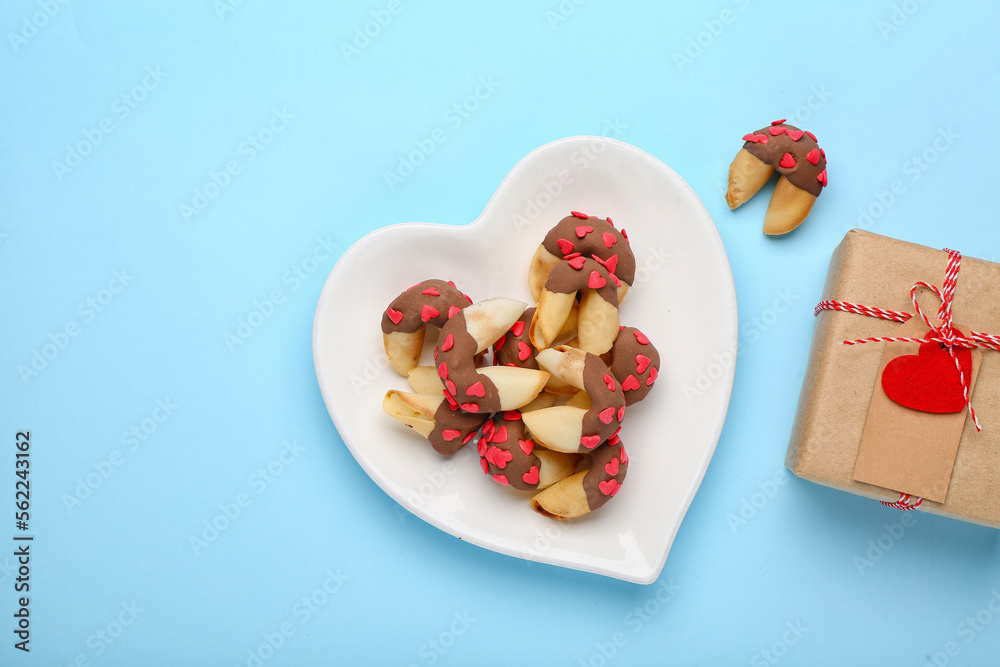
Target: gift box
column 865, row 421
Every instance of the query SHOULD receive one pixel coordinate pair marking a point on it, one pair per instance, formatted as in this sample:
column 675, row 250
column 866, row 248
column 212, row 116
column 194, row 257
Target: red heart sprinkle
column 565, row 245
column 652, row 377
column 611, row 467
column 621, row 413
column 450, row 386
column 795, row 134
column 469, row 407
column 607, row 415
column 610, row 381
column 470, row 436
column 523, row 350
column 775, row 131
column 623, row 456
column 452, row 403
column 609, row 487
column 428, row 313
column 583, row 230
column 787, row 161
column 577, row 214
column 750, row 136
column 531, row 477
column 485, row 465
column 394, row 315
column 512, row 415
column 641, row 363
column 450, row 434
column 595, row 281
column 811, row 135
column 499, row 435
column 477, row 390
column 449, row 341
column 527, row 446
column 821, row 177
column 778, row 122
column 928, row 381
column 443, row 370
column 590, row 441
column 431, row 291
column 641, row 337
column 497, row 345
column 813, row 156
column 611, row 263
column 630, row 383
column 518, row 328
column 453, row 311
column 498, row 457
column 481, row 446
column 501, row 479
column 609, row 239
column 577, row 262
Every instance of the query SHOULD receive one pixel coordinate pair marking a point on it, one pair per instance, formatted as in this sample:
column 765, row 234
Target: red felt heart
column 928, row 381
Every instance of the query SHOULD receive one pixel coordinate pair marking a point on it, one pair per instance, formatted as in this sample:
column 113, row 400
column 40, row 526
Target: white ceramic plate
column 683, row 299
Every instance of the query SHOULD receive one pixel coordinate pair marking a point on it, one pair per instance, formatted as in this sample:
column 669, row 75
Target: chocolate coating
column 602, row 240
column 635, row 363
column 506, row 455
column 577, row 274
column 419, row 306
column 807, row 168
column 609, row 457
column 453, row 429
column 455, row 359
column 605, row 402
column 514, row 348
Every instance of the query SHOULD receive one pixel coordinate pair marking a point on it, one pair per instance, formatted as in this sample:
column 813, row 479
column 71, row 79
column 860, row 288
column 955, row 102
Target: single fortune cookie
column 799, row 160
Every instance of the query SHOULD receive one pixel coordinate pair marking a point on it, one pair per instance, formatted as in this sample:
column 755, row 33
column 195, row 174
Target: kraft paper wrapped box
column 841, row 380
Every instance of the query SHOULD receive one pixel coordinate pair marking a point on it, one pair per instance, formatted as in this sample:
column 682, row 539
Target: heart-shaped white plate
column 683, row 299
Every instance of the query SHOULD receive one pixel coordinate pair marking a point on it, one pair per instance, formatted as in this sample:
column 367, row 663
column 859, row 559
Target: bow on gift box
column 945, row 334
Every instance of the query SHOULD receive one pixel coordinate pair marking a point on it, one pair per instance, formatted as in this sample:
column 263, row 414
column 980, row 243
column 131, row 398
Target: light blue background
column 683, row 83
